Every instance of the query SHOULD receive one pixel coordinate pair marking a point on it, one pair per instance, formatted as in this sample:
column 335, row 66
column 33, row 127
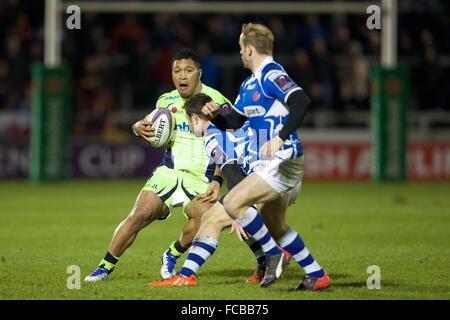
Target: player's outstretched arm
column 232, row 120
column 210, row 110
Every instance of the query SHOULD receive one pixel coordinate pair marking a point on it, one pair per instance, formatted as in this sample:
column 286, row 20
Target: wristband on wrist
column 219, row 179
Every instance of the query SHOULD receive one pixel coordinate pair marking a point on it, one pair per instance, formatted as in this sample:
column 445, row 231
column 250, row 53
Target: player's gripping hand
column 144, row 129
column 240, row 232
column 269, row 148
column 212, row 194
column 210, row 110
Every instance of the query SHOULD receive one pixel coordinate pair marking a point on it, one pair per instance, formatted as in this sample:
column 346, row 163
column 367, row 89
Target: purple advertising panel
column 427, row 161
column 99, row 160
column 89, row 160
column 14, row 161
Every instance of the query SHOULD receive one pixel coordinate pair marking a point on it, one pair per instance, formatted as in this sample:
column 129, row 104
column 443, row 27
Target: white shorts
column 282, row 175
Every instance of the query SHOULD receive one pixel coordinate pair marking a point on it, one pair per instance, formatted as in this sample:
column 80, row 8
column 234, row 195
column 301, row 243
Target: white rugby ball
column 164, row 125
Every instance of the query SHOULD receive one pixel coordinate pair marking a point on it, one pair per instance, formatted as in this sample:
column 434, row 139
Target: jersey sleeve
column 221, row 100
column 238, row 104
column 214, row 147
column 277, row 84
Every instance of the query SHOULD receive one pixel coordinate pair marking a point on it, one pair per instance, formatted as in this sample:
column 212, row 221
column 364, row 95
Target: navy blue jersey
column 262, row 99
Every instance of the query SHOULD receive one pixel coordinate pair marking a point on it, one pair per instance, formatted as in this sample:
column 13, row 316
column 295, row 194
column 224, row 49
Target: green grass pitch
column 402, row 228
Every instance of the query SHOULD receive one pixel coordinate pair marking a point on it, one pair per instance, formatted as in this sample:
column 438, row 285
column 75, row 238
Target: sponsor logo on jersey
column 171, row 97
column 256, row 96
column 284, row 82
column 251, row 86
column 184, row 126
column 254, row 111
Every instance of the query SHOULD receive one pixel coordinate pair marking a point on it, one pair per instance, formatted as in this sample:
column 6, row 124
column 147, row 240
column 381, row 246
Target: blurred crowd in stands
column 122, row 61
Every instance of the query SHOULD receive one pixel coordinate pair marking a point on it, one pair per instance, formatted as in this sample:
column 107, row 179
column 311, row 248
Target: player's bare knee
column 225, row 222
column 140, row 217
column 197, row 221
column 218, row 221
column 208, row 219
column 232, row 207
column 196, row 208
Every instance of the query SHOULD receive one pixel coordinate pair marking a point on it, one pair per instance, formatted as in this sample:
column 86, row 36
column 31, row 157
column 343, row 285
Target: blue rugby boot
column 100, row 274
column 169, row 262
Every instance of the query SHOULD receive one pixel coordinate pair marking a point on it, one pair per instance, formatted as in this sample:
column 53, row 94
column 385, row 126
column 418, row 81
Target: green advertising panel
column 390, row 94
column 49, row 148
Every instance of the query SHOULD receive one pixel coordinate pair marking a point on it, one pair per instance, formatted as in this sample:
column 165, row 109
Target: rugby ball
column 164, row 125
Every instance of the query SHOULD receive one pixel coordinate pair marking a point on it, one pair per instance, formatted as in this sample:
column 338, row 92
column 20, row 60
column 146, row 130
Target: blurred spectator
column 143, row 82
column 282, row 41
column 19, row 70
column 4, row 84
column 431, row 92
column 341, row 39
column 163, row 33
column 210, row 66
column 162, row 70
column 323, row 73
column 216, row 31
column 406, row 45
column 111, row 132
column 103, row 104
column 309, row 33
column 353, row 77
column 22, row 28
column 127, row 34
column 444, row 33
column 302, row 72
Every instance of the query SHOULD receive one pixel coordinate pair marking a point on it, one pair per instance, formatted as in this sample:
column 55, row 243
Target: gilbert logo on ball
column 163, row 124
column 160, row 131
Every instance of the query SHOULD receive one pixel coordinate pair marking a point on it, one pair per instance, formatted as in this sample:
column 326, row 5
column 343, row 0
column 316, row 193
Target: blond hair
column 258, row 36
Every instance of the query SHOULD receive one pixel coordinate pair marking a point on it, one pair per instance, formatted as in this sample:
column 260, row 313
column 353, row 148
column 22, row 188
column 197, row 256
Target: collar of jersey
column 264, row 63
column 211, row 127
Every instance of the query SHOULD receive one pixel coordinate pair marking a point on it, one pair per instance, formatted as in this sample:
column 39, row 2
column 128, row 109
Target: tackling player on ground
column 184, row 173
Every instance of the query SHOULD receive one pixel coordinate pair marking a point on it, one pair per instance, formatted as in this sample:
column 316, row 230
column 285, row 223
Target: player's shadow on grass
column 231, row 272
column 339, row 276
column 241, row 274
column 290, row 273
column 246, row 273
column 363, row 284
column 338, row 280
column 231, row 276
